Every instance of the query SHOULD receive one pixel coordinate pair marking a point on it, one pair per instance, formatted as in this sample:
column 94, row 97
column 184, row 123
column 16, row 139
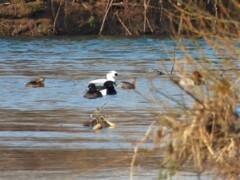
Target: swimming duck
column 92, row 92
column 195, row 80
column 108, row 88
column 99, row 123
column 39, row 82
column 128, row 85
column 160, row 72
column 110, row 77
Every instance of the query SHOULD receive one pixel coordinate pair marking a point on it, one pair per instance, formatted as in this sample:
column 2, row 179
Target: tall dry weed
column 206, row 134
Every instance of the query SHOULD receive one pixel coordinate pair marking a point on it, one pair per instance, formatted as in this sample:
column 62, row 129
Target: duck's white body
column 110, row 77
column 184, row 81
column 103, row 92
column 196, row 79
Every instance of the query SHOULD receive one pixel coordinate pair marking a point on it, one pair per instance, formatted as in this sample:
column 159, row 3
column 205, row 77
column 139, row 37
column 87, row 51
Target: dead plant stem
column 137, row 147
column 55, row 19
column 124, row 26
column 145, row 21
column 105, row 16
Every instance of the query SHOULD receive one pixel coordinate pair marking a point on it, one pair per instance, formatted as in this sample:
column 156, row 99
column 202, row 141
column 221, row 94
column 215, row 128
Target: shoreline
column 58, row 17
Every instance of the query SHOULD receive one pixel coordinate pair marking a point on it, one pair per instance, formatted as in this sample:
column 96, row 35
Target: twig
column 180, row 24
column 216, row 16
column 98, row 110
column 149, row 25
column 145, row 4
column 55, row 19
column 137, row 147
column 174, row 58
column 124, row 26
column 105, row 16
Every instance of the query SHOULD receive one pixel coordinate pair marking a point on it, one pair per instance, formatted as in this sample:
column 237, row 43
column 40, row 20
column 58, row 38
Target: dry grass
column 205, row 135
column 98, row 120
column 208, row 136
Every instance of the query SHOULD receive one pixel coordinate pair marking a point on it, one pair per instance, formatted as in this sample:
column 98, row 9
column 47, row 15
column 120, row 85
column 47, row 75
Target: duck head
column 40, row 80
column 197, row 78
column 111, row 75
column 92, row 88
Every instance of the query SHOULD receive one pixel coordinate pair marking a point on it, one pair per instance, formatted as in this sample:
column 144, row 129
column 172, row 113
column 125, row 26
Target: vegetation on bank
column 119, row 17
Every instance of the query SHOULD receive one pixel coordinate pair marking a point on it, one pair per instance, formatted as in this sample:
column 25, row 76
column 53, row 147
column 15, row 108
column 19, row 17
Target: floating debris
column 98, row 120
column 99, row 123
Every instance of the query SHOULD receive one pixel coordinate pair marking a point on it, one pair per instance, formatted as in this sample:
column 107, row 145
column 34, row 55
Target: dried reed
column 98, row 120
column 204, row 135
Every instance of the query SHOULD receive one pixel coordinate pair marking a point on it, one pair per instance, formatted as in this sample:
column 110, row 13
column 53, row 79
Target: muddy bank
column 132, row 17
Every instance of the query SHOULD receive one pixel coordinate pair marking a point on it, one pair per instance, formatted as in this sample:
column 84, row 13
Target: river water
column 41, row 131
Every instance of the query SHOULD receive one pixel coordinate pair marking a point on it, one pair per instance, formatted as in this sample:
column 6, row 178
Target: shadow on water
column 41, row 129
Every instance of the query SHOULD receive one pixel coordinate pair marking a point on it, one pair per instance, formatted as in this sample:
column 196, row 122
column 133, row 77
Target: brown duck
column 39, row 82
column 128, row 85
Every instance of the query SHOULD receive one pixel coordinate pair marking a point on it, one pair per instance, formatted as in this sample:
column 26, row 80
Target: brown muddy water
column 41, row 131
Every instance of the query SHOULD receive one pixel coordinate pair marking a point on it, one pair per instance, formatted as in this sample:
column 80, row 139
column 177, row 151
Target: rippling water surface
column 41, row 128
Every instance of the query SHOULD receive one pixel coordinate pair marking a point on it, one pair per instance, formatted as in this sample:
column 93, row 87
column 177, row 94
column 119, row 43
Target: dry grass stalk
column 145, row 20
column 98, row 120
column 56, row 17
column 109, row 5
column 206, row 134
column 210, row 133
column 122, row 23
column 136, row 148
